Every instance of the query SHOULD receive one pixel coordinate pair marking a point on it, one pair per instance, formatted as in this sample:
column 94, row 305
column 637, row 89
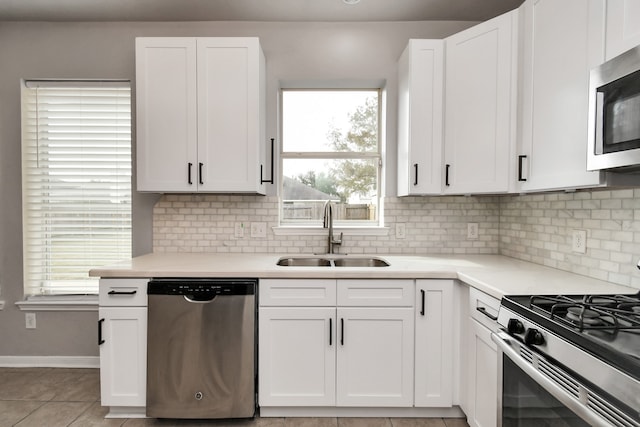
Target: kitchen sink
column 331, row 262
column 304, row 262
column 360, row 262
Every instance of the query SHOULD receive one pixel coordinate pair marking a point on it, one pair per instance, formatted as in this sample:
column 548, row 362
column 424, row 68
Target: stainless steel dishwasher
column 201, row 348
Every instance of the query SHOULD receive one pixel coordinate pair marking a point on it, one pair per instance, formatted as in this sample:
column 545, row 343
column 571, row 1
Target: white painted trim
column 59, row 303
column 50, row 361
column 127, row 412
column 304, row 411
column 319, row 231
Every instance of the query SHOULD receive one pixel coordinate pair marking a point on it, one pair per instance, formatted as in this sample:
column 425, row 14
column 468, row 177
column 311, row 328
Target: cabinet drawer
column 483, row 308
column 123, row 292
column 300, row 293
column 376, row 293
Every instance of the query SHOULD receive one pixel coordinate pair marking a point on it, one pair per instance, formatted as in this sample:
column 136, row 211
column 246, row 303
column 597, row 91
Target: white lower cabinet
column 322, row 353
column 297, row 360
column 123, row 356
column 434, row 343
column 375, row 357
column 482, row 381
column 122, row 337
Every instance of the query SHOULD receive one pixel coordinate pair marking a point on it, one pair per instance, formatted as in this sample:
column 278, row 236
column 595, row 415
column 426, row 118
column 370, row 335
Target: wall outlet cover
column 258, row 229
column 579, row 241
column 401, row 230
column 238, row 230
column 30, row 320
column 472, row 230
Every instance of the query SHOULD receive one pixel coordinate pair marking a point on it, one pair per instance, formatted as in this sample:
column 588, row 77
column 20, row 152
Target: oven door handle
column 505, row 344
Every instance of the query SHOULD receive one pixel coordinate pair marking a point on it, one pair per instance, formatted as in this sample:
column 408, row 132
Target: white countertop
column 493, row 274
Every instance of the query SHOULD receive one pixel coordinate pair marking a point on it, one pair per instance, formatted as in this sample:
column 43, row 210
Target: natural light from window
column 330, row 152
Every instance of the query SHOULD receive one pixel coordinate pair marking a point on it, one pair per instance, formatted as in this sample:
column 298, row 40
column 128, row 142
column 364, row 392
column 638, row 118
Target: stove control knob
column 515, row 326
column 533, row 337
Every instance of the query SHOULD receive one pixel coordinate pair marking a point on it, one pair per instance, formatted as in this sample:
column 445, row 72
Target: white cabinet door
column 483, row 377
column 434, row 343
column 200, row 114
column 123, row 356
column 297, row 356
column 562, row 41
column 420, row 108
column 166, row 114
column 480, row 107
column 623, row 26
column 375, row 357
column 231, row 106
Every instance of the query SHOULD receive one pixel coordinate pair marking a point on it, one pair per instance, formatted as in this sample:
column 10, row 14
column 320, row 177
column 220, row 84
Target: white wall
column 294, row 51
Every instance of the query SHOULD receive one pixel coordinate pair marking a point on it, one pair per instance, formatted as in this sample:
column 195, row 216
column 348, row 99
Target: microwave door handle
column 599, row 137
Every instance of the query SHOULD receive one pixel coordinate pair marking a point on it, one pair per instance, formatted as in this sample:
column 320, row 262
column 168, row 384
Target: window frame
column 312, row 226
column 85, row 297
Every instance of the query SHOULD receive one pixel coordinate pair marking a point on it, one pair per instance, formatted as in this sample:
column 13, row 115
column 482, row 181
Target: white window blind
column 76, row 182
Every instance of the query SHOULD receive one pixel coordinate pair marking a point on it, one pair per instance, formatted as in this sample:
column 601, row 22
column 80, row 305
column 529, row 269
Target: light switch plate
column 30, row 320
column 401, row 230
column 238, row 230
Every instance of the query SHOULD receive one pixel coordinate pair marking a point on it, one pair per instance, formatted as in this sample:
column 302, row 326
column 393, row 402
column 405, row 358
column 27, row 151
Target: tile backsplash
column 536, row 228
column 205, row 223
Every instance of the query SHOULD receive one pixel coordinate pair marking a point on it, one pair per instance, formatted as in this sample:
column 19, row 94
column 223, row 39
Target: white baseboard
column 49, row 361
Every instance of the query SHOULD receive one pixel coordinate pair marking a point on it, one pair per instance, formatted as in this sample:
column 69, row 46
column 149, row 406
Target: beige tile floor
column 57, row 397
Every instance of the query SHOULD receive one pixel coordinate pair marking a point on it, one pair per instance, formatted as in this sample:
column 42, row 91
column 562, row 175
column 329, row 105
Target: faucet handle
column 339, row 241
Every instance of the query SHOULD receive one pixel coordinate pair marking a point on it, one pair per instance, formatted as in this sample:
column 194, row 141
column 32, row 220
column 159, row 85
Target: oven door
column 534, row 391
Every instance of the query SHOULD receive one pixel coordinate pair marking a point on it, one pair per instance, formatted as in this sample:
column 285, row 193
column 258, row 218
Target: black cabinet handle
column 422, row 292
column 520, row 159
column 189, row 174
column 270, row 180
column 486, row 313
column 100, row 340
column 342, row 331
column 446, row 175
column 123, row 292
column 415, row 167
column 200, row 165
column 330, row 331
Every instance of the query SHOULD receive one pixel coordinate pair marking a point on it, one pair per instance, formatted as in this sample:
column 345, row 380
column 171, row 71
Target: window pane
column 76, row 184
column 325, row 121
column 350, row 183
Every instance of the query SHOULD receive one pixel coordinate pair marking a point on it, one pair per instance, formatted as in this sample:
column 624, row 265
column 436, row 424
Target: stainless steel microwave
column 614, row 114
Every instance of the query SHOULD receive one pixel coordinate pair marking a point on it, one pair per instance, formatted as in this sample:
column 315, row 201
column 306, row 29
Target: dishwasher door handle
column 195, row 301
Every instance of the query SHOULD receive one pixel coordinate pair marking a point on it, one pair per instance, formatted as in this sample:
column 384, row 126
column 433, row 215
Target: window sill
column 59, row 303
column 293, row 230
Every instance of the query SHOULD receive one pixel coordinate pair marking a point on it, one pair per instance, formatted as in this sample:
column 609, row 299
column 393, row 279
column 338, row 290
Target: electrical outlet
column 259, row 229
column 238, row 230
column 401, row 230
column 1, row 305
column 472, row 230
column 30, row 320
column 579, row 243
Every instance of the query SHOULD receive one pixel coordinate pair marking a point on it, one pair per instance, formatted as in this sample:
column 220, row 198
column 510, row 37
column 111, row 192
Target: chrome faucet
column 328, row 223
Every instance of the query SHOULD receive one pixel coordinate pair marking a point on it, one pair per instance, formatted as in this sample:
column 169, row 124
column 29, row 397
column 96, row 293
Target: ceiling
column 253, row 10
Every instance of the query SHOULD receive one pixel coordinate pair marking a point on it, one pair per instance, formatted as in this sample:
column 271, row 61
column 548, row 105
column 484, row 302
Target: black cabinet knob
column 533, row 337
column 515, row 326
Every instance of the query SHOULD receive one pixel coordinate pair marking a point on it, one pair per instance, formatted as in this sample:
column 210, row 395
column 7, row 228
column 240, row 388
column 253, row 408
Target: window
column 330, row 152
column 76, row 182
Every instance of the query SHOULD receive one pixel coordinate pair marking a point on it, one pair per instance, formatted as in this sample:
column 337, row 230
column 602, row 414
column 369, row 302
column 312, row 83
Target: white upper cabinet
column 480, row 107
column 623, row 26
column 562, row 41
column 420, row 84
column 200, row 114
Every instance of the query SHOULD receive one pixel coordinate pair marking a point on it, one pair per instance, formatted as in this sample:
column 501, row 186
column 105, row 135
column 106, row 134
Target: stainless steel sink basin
column 304, row 262
column 329, row 262
column 360, row 262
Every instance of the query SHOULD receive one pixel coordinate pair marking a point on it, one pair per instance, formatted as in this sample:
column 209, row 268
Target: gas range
column 591, row 342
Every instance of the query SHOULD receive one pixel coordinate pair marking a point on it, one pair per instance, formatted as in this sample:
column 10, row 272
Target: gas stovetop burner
column 609, row 313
